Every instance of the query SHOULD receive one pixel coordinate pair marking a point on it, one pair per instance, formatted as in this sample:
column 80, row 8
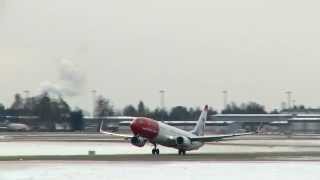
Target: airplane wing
column 217, row 137
column 117, row 118
column 125, row 136
column 192, row 123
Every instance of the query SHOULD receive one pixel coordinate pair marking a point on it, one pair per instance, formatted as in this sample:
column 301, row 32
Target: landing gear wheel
column 155, row 151
column 182, row 152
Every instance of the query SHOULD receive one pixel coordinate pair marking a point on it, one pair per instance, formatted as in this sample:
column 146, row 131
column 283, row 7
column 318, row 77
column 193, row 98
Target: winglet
column 99, row 129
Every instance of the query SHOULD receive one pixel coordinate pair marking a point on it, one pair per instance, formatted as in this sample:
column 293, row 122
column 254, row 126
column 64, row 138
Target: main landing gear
column 182, row 152
column 155, row 151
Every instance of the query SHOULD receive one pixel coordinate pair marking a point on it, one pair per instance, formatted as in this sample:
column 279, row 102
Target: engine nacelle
column 138, row 141
column 183, row 142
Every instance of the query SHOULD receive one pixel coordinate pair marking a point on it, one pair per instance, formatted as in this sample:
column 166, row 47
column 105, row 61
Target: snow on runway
column 83, row 170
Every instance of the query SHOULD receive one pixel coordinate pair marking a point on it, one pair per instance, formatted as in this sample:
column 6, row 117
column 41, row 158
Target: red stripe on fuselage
column 145, row 127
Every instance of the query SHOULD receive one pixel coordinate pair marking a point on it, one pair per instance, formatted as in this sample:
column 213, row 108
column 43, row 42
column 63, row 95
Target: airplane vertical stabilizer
column 201, row 124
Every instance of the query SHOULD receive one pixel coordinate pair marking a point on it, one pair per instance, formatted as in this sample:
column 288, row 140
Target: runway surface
column 248, row 150
column 114, row 148
column 64, row 156
column 84, row 170
column 70, row 146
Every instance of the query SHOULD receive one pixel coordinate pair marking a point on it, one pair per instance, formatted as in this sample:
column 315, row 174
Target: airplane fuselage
column 159, row 133
column 148, row 130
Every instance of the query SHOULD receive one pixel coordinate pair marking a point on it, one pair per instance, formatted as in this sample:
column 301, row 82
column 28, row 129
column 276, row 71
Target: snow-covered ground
column 278, row 142
column 159, row 170
column 82, row 148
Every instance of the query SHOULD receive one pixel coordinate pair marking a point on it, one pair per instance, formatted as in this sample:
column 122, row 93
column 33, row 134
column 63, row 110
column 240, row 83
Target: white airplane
column 148, row 130
column 18, row 127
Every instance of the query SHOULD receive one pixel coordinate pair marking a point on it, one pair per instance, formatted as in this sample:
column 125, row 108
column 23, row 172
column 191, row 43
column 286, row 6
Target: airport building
column 274, row 123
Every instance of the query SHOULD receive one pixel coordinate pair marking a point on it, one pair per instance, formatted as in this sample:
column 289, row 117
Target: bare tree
column 103, row 107
column 130, row 110
column 18, row 103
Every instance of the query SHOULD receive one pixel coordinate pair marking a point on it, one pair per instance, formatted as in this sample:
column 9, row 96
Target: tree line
column 45, row 111
column 103, row 107
column 51, row 111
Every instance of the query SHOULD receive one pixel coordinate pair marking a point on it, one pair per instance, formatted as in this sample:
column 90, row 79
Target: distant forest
column 56, row 110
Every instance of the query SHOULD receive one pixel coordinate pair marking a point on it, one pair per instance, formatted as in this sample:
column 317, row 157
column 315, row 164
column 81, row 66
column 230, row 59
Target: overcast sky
column 129, row 50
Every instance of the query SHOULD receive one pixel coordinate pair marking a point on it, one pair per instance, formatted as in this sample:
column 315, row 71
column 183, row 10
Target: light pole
column 289, row 96
column 225, row 98
column 26, row 100
column 162, row 103
column 294, row 103
column 94, row 99
column 162, row 99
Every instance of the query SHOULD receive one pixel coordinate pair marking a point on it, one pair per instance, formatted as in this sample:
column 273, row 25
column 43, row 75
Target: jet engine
column 183, row 142
column 138, row 141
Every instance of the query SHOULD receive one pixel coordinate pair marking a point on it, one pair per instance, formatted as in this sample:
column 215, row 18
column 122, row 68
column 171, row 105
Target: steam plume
column 71, row 81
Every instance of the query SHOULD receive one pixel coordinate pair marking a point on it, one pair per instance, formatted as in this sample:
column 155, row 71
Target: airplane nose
column 135, row 126
column 145, row 127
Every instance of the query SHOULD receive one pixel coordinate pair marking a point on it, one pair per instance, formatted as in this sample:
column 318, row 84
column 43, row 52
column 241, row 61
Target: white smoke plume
column 51, row 88
column 70, row 83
